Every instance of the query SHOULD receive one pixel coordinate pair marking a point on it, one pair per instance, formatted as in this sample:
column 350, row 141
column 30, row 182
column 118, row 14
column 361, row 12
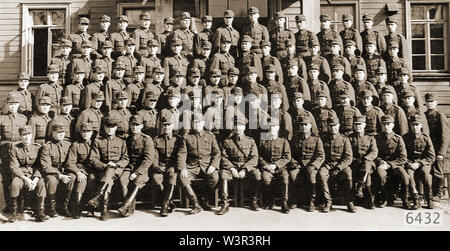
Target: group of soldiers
column 283, row 112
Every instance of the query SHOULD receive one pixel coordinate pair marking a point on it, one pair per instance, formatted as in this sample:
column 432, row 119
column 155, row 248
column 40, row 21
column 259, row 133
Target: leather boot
column 268, row 197
column 66, row 202
column 125, row 209
column 226, row 205
column 14, row 208
column 21, row 203
column 359, row 190
column 416, row 202
column 370, row 199
column 327, row 207
column 348, row 196
column 438, row 189
column 204, row 200
column 191, row 195
column 104, row 216
column 311, row 197
column 77, row 206
column 284, row 195
column 39, row 213
column 167, row 201
column 254, row 204
column 351, row 207
column 95, row 202
column 405, row 198
column 52, row 206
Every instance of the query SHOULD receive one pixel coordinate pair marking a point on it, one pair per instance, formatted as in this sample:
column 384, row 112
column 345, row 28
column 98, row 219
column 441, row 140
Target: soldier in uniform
column 404, row 52
column 25, row 96
column 354, row 60
column 40, row 119
column 105, row 60
column 298, row 111
column 165, row 37
column 74, row 90
column 195, row 84
column 346, row 114
column 114, row 85
column 321, row 62
column 149, row 113
column 365, row 151
column 291, row 55
column 99, row 37
column 380, row 83
column 294, row 83
column 338, row 85
column 214, row 115
column 52, row 88
column 255, row 30
column 307, row 157
column 351, row 34
column 303, row 37
column 92, row 114
column 171, row 110
column 185, row 35
column 360, row 84
column 327, row 35
column 268, row 60
column 84, row 61
column 335, row 58
column 122, row 114
column 63, row 60
column 175, row 62
column 316, row 86
column 373, row 60
column 273, row 86
column 227, row 30
column 206, row 35
column 110, row 156
column 285, row 119
column 321, row 113
column 156, row 85
column 411, row 111
column 232, row 81
column 151, row 61
column 373, row 113
column 141, row 150
column 388, row 107
column 52, row 158
column 143, row 34
column 421, row 156
column 280, row 35
column 395, row 64
column 80, row 36
column 164, row 172
column 80, row 167
column 404, row 86
column 202, row 157
column 392, row 157
column 439, row 134
column 96, row 85
column 23, row 164
column 135, row 87
column 223, row 60
column 119, row 37
column 248, row 58
column 239, row 161
column 65, row 118
column 274, row 155
column 203, row 60
column 336, row 167
column 368, row 34
column 130, row 59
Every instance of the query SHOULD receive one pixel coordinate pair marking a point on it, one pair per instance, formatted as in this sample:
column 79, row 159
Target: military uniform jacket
column 419, row 148
column 78, row 159
column 256, row 31
column 9, row 127
column 401, row 122
column 402, row 88
column 338, row 150
column 271, row 60
column 355, row 61
column 324, row 67
column 53, row 157
column 26, row 101
column 274, row 151
column 248, row 59
column 86, row 94
column 379, row 87
column 360, row 86
column 200, row 38
column 239, row 152
column 225, row 31
column 214, row 119
column 91, row 115
column 315, row 87
column 134, row 93
column 203, row 64
column 173, row 63
column 373, row 63
column 112, row 87
column 187, row 40
column 303, row 40
column 153, row 87
column 392, row 149
column 53, row 90
column 352, row 34
column 142, row 36
column 439, row 131
column 97, row 39
column 346, row 115
column 297, row 84
column 278, row 38
column 130, row 61
column 118, row 41
column 307, row 150
column 77, row 39
column 222, row 61
column 150, row 117
column 411, row 111
column 109, row 148
column 107, row 64
column 150, row 63
column 373, row 119
column 171, row 152
column 62, row 62
column 325, row 38
column 302, row 67
column 321, row 115
column 39, row 123
column 339, row 86
column 123, row 115
column 22, row 160
column 142, row 154
column 364, row 147
column 273, row 87
column 68, row 124
column 394, row 66
column 370, row 34
column 341, row 60
column 163, row 40
column 202, row 151
column 74, row 91
column 403, row 51
column 286, row 130
column 174, row 114
column 84, row 63
column 297, row 114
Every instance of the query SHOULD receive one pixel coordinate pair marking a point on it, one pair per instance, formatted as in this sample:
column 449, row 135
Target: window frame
column 356, row 16
column 27, row 31
column 410, row 22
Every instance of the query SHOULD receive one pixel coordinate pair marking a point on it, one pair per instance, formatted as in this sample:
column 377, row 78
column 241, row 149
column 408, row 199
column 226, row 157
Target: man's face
column 65, row 50
column 59, row 136
column 177, row 49
column 150, row 103
column 66, row 108
column 110, row 130
column 86, row 135
column 367, row 101
column 53, row 76
column 106, row 51
column 253, row 17
column 217, row 99
column 409, row 101
column 350, row 50
column 13, row 107
column 215, row 80
column 123, row 25
column 119, row 73
column 207, row 25
column 86, row 51
column 252, row 77
column 266, row 50
column 337, row 74
column 225, row 46
column 270, row 75
column 136, row 128
column 298, row 103
column 167, row 128
column 158, row 77
column 98, row 76
column 431, row 105
column 168, row 26
column 301, row 25
column 322, row 101
column 237, row 98
column 78, row 77
column 198, row 125
column 345, row 101
column 348, row 24
column 388, row 127
column 368, row 24
column 232, row 79
column 359, row 127
column 23, row 83
column 313, row 74
column 44, row 108
column 393, row 51
column 228, row 20
column 305, row 127
column 381, row 77
column 392, row 27
column 371, row 48
column 334, row 128
column 26, row 138
column 274, row 130
column 179, row 79
column 240, row 129
column 315, row 49
column 194, row 80
column 173, row 101
column 153, row 50
column 254, row 103
column 139, row 76
column 335, row 49
column 360, row 75
column 325, row 24
column 185, row 23
column 123, row 102
column 130, row 48
column 206, row 52
column 97, row 103
column 83, row 27
column 404, row 78
column 145, row 23
column 417, row 127
column 293, row 70
column 280, row 22
column 388, row 97
column 105, row 25
column 276, row 103
column 290, row 49
column 246, row 46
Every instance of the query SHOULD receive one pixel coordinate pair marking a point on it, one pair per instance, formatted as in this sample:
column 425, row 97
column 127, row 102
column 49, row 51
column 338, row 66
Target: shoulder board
column 343, row 136
column 209, row 133
column 396, row 135
column 377, row 108
column 145, row 135
column 36, row 144
column 374, row 31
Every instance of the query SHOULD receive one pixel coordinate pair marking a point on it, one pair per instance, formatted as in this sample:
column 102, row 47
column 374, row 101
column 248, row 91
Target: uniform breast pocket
column 223, row 65
column 76, row 97
column 185, row 65
column 348, row 119
column 391, row 146
column 82, row 153
column 257, row 35
column 309, row 150
column 40, row 129
column 143, row 41
column 6, row 129
column 338, row 148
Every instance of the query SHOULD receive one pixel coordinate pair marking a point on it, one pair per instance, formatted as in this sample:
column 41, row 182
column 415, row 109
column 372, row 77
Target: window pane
column 40, row 52
column 437, row 12
column 418, row 47
column 57, row 35
column 437, row 46
column 437, row 63
column 39, row 17
column 437, row 30
column 418, row 62
column 418, row 30
column 417, row 12
column 58, row 17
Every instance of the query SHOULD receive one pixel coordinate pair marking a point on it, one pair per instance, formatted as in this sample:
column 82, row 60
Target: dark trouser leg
column 438, row 178
column 323, row 178
column 295, row 195
column 267, row 178
column 255, row 187
column 124, row 209
column 51, row 184
column 104, row 211
column 68, row 195
column 224, row 197
column 381, row 176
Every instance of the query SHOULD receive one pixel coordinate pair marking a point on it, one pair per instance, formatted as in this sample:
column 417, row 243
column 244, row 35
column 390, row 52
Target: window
column 133, row 12
column 44, row 27
column 336, row 9
column 429, row 37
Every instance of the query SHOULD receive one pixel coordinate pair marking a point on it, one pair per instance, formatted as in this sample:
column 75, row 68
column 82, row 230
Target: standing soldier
column 439, row 134
column 290, row 49
column 354, row 60
column 274, row 155
column 171, row 110
column 315, row 58
column 141, row 150
column 91, row 115
column 307, row 157
column 372, row 35
column 130, row 59
column 421, row 156
column 239, row 161
column 99, row 37
column 105, row 59
column 338, row 85
column 96, row 86
column 165, row 37
column 170, row 153
column 156, row 84
column 335, row 58
column 202, row 157
column 351, row 34
column 149, row 113
column 23, row 164
column 40, row 119
column 51, row 88
column 321, row 113
column 303, row 37
column 373, row 60
column 143, row 34
column 255, row 30
column 135, row 88
column 214, row 115
column 52, row 157
column 380, row 83
column 280, row 35
column 390, row 165
column 249, row 58
column 65, row 118
column 388, row 107
column 185, row 35
column 327, row 35
column 122, row 114
column 336, row 167
column 118, row 38
column 223, row 60
column 346, row 114
column 365, row 151
column 403, row 86
column 272, row 85
column 394, row 64
column 227, row 30
column 299, row 111
column 80, row 166
column 203, row 60
column 316, row 86
column 360, row 84
column 25, row 96
column 267, row 60
column 175, row 62
column 110, row 155
column 294, row 83
column 151, row 61
column 84, row 61
column 410, row 111
column 114, row 85
column 80, row 36
column 373, row 114
column 9, row 136
column 74, row 91
column 393, row 36
column 204, row 36
column 285, row 119
column 63, row 60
